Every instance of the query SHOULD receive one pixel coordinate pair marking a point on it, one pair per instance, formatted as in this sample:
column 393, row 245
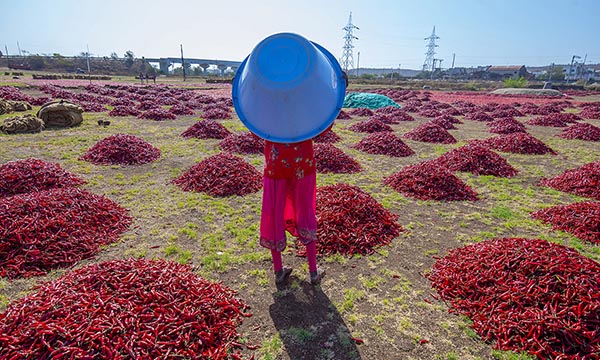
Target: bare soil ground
column 383, row 300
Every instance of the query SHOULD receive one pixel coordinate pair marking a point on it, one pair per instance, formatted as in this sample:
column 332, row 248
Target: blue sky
column 391, row 34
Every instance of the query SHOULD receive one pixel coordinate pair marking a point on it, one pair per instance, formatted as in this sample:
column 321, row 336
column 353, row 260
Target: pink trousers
column 288, row 205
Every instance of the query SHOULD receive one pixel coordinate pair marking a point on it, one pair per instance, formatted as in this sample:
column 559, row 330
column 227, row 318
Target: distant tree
column 114, row 56
column 515, row 83
column 37, row 62
column 556, row 73
column 1, row 54
column 129, row 57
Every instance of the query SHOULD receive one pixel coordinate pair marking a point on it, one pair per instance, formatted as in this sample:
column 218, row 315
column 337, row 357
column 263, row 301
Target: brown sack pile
column 8, row 106
column 22, row 124
column 60, row 113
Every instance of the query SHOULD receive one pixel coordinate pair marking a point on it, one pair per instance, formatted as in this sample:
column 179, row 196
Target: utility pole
column 19, row 48
column 453, row 58
column 88, row 62
column 357, row 63
column 7, row 57
column 182, row 62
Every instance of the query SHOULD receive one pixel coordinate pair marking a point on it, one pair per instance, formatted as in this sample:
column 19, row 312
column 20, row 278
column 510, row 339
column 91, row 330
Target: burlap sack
column 20, row 105
column 22, row 124
column 5, row 107
column 60, row 113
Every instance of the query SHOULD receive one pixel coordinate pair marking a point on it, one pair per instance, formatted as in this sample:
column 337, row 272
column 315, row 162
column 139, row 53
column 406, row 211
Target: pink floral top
column 288, row 161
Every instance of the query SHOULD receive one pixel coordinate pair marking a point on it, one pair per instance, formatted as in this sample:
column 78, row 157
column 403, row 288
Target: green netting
column 367, row 100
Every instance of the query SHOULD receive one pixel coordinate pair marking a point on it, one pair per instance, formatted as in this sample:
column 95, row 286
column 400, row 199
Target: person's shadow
column 309, row 324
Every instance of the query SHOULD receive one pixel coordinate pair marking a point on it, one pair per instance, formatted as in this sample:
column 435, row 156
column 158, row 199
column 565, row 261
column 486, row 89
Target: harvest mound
column 384, row 143
column 70, row 224
column 425, row 181
column 221, row 175
column 23, row 176
column 145, row 309
column 351, row 222
column 330, row 159
column 526, row 295
column 121, row 149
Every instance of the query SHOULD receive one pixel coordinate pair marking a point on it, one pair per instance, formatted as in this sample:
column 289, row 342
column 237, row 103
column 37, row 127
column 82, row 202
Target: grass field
column 383, row 299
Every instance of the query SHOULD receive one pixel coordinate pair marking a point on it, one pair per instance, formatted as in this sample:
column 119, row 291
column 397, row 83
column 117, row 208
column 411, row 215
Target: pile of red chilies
column 384, row 118
column 221, row 175
column 384, row 143
column 581, row 219
column 391, row 110
column 477, row 159
column 581, row 131
column 181, row 109
column 206, row 129
column 55, row 228
column 243, row 143
column 519, row 143
column 526, row 295
column 327, row 137
column 591, row 112
column 343, row 115
column 547, row 120
column 216, row 113
column 352, row 222
column 443, row 122
column 121, row 149
column 124, row 110
column 124, row 309
column 23, row 176
column 583, row 181
column 370, row 126
column 431, row 133
column 330, row 159
column 426, row 181
column 478, row 116
column 506, row 125
column 361, row 112
column 157, row 114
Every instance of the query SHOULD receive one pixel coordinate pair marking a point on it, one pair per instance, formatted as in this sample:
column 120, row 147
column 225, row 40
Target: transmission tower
column 347, row 57
column 430, row 54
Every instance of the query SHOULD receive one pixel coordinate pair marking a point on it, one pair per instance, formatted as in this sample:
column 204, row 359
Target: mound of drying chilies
column 526, row 295
column 352, row 222
column 124, row 309
column 45, row 230
column 221, row 175
column 23, row 176
column 121, row 149
column 330, row 159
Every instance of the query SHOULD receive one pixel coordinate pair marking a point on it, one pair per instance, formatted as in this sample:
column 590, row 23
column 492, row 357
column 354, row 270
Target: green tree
column 114, row 56
column 37, row 62
column 129, row 57
column 515, row 83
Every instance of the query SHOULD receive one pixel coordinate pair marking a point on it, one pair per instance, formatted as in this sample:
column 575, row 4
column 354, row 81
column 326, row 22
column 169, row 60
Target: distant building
column 506, row 72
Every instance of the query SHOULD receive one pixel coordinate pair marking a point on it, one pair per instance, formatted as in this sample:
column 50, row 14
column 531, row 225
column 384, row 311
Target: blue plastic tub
column 288, row 89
